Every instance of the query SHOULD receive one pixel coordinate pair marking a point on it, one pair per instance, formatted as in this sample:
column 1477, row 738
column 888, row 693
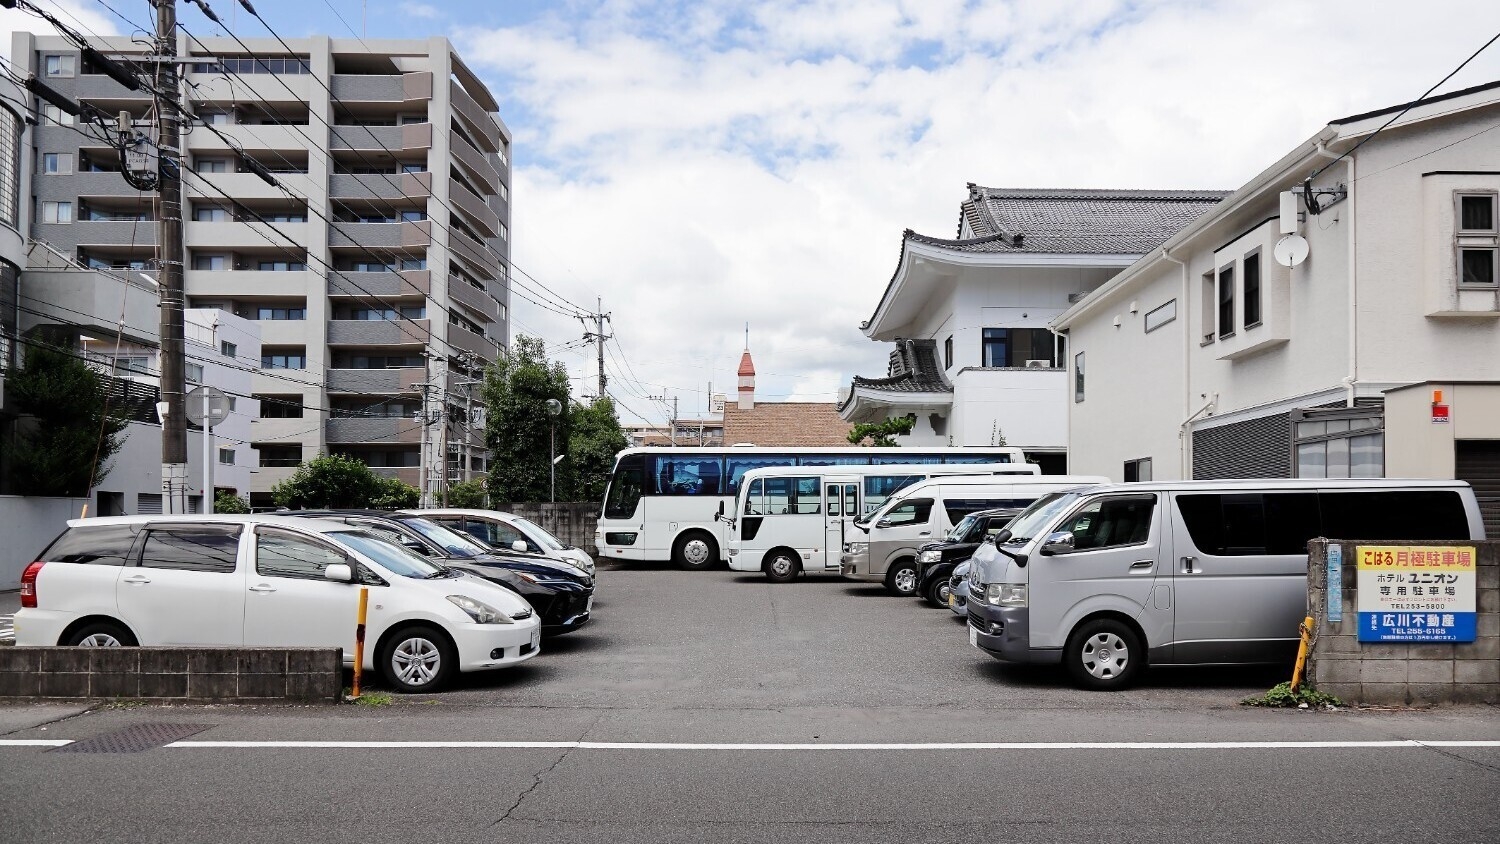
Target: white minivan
column 1109, row 579
column 886, row 551
column 269, row 581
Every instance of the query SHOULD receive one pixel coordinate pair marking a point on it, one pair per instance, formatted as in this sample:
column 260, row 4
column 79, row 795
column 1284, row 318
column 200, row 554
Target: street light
column 554, row 409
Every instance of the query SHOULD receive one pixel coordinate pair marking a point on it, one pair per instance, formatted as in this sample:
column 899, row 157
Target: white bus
column 790, row 520
column 661, row 502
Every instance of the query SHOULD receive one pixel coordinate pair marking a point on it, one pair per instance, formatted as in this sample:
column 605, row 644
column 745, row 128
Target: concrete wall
column 1399, row 674
column 1029, row 406
column 28, row 525
column 572, row 522
column 201, row 675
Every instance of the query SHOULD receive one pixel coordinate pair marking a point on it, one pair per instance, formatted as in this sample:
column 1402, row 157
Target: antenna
column 747, row 336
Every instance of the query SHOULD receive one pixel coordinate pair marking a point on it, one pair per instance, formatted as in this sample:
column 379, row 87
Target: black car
column 936, row 560
column 561, row 595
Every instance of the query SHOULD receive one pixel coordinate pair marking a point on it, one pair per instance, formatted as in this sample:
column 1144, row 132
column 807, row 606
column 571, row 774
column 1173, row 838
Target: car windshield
column 457, row 544
column 388, row 555
column 962, row 529
column 1043, row 510
column 535, row 531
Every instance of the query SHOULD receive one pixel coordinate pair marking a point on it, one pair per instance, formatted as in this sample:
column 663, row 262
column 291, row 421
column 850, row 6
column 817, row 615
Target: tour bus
column 1110, row 579
column 786, row 521
column 661, row 502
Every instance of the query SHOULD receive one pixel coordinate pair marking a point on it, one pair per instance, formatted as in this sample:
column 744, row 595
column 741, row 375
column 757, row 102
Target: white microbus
column 661, row 502
column 790, row 520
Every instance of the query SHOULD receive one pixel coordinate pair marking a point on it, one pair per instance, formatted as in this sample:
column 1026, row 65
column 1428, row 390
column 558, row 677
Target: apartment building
column 351, row 198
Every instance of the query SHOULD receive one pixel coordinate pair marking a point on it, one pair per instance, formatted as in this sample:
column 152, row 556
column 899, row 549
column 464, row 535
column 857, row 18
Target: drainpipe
column 1187, row 352
column 1182, row 437
column 1352, row 378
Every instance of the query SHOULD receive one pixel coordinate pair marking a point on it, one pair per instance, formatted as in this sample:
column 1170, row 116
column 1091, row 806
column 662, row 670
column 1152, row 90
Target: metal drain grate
column 134, row 739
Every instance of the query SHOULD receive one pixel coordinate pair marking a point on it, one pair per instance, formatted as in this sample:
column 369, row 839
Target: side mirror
column 1058, row 543
column 339, row 572
column 1002, row 536
column 518, row 545
column 883, row 523
column 721, row 510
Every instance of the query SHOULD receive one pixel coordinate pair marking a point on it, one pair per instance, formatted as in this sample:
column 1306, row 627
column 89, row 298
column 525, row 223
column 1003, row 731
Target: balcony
column 478, row 121
column 99, row 233
column 411, row 137
column 382, row 235
column 386, row 88
column 479, row 165
column 284, row 431
column 371, row 430
column 91, row 301
column 278, row 236
column 245, row 284
column 254, row 137
column 403, row 380
column 481, row 216
column 467, row 294
column 375, row 332
column 252, row 87
column 477, row 254
column 68, row 188
column 471, row 342
column 410, row 475
column 98, row 86
column 382, row 186
column 243, row 186
column 384, row 284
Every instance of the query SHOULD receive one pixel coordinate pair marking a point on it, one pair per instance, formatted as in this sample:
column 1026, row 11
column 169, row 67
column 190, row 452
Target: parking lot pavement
column 9, row 603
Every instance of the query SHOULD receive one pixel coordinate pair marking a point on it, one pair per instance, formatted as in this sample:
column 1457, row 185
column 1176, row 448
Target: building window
column 193, row 372
column 227, row 349
column 280, row 407
column 210, row 214
column 57, row 212
column 1078, row 377
column 56, row 116
column 1339, row 444
column 10, row 167
column 226, row 456
column 504, row 192
column 284, row 360
column 1138, row 470
column 413, row 263
column 281, row 266
column 948, row 352
column 212, row 165
column 1251, row 271
column 1206, row 296
column 57, row 162
column 1016, row 347
column 1159, row 316
column 280, row 455
column 58, row 65
column 215, row 118
column 504, row 232
column 1226, row 302
column 210, row 262
column 1477, row 241
column 280, row 313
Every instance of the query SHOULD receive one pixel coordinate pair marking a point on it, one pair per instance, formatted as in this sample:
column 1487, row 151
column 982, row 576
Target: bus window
column 976, row 458
column 782, row 497
column 625, row 487
column 880, row 487
column 908, row 459
column 829, row 460
column 684, row 475
column 736, row 467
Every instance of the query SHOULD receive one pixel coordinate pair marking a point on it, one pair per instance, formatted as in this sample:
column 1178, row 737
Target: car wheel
column 101, row 634
column 782, row 565
column 417, row 659
column 1104, row 655
column 901, row 580
column 695, row 551
column 938, row 591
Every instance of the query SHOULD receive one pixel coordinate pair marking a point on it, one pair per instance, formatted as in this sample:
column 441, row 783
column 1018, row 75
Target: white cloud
column 701, row 166
column 87, row 18
column 420, row 10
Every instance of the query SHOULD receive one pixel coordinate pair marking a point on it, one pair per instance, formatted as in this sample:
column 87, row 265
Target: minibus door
column 840, row 507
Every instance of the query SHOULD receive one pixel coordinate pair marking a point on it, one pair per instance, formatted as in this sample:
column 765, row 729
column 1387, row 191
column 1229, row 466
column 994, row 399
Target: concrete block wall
column 572, row 522
column 199, row 675
column 1399, row 674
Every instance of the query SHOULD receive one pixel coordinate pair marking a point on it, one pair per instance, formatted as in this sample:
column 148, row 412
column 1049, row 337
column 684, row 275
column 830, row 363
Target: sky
column 700, row 165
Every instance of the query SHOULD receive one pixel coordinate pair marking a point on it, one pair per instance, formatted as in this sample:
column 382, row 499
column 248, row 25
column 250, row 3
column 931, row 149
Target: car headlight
column 531, row 577
column 481, row 612
column 1005, row 594
column 856, row 547
column 930, row 557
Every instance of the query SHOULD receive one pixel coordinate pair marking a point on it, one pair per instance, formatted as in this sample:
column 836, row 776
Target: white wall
column 1029, row 406
column 30, row 524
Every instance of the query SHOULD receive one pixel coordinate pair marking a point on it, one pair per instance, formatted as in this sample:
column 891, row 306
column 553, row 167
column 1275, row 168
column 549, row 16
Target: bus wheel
column 695, row 551
column 782, row 565
column 901, row 580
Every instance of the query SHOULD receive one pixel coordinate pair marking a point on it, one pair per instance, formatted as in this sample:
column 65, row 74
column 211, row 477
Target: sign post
column 1417, row 593
column 206, row 407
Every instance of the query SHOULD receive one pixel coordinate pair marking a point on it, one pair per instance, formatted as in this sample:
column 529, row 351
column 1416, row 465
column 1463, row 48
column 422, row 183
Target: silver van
column 1109, row 579
column 885, row 547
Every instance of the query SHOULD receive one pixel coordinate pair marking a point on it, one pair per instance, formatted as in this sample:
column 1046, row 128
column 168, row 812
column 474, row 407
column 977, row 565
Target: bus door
column 840, row 508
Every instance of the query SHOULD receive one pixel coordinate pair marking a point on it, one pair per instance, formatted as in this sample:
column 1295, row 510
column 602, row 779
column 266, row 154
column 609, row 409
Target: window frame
column 1146, row 321
column 67, row 65
column 1224, row 280
column 1137, row 465
column 194, row 527
column 1300, row 417
column 1476, row 240
column 1253, row 256
column 228, row 349
column 57, row 207
column 1078, row 379
column 265, row 530
column 1072, row 514
column 61, row 158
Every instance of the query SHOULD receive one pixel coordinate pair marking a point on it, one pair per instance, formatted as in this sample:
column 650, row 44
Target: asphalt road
column 689, row 662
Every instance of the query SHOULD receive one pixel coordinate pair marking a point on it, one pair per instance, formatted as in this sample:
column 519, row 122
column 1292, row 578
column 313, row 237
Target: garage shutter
column 1478, row 462
column 147, row 503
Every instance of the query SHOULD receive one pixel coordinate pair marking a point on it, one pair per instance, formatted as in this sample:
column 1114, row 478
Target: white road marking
column 999, row 745
column 34, row 742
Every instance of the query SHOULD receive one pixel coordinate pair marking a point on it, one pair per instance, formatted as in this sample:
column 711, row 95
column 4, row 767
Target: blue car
column 958, row 589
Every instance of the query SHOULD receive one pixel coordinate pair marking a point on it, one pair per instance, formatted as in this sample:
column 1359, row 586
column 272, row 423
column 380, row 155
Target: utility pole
column 598, row 336
column 169, row 273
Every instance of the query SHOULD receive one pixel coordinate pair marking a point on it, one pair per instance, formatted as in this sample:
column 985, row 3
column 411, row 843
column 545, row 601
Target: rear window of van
column 104, row 545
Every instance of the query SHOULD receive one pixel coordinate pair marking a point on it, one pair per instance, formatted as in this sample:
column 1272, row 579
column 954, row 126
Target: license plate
column 536, row 639
column 973, row 637
column 589, row 607
column 951, row 598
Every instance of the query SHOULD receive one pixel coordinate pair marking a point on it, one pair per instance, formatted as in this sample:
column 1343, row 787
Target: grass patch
column 369, row 698
column 123, row 703
column 1281, row 696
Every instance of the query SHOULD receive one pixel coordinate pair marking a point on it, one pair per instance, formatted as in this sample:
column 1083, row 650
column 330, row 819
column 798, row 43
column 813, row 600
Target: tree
column 517, row 427
column 394, row 494
column 881, row 433
column 228, row 502
column 66, row 446
column 468, row 494
column 596, row 439
column 331, row 480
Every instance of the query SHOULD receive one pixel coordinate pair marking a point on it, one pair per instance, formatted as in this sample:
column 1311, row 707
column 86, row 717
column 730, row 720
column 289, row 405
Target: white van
column 790, row 521
column 1108, row 579
column 925, row 512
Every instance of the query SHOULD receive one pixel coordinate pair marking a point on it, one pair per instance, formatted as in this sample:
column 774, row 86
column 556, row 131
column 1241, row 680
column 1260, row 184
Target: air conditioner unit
column 1039, row 364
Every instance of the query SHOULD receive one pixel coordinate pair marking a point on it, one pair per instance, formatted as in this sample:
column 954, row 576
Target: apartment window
column 131, row 365
column 1159, row 316
column 504, row 232
column 280, row 455
column 403, row 312
column 58, row 65
column 212, row 165
column 285, row 217
column 210, row 214
column 56, row 116
column 948, row 352
column 1251, row 269
column 1478, row 244
column 1342, row 444
column 1014, row 347
column 504, row 192
column 281, row 266
column 193, row 372
column 1206, row 297
column 280, row 313
column 1078, row 377
column 413, row 263
column 215, row 118
column 413, row 168
column 284, row 360
column 57, row 162
column 226, row 456
column 228, row 349
column 381, row 362
column 57, row 212
column 233, row 401
column 210, row 262
column 1138, row 470
column 1226, row 301
column 413, row 216
column 280, row 407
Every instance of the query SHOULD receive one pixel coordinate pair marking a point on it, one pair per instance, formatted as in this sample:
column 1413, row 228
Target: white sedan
column 508, row 532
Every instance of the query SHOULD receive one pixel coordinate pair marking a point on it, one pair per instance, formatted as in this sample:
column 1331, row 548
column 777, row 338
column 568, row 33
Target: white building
column 1379, row 354
column 975, row 361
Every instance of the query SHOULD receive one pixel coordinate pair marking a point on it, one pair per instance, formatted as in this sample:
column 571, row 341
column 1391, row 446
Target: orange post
column 1306, row 627
column 359, row 638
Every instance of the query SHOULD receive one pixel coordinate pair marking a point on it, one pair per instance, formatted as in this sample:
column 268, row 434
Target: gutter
column 1182, row 438
column 1187, row 336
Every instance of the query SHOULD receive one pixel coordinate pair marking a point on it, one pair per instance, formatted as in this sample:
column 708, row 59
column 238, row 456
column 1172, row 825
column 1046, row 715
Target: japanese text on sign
column 1416, row 593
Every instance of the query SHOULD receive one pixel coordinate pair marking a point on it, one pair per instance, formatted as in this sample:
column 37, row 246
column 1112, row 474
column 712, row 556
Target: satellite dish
column 1291, row 250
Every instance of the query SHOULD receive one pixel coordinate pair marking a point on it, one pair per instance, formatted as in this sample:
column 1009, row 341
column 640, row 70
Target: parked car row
column 444, row 602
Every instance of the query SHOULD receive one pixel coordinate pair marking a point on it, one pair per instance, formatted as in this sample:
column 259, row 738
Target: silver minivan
column 1109, row 579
